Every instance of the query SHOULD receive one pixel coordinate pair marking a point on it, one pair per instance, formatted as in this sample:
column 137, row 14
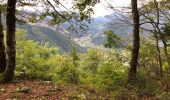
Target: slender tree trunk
column 136, row 42
column 166, row 52
column 159, row 56
column 156, row 36
column 2, row 48
column 8, row 75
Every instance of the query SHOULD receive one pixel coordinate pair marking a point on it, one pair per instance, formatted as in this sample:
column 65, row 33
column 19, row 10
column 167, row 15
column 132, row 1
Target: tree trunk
column 159, row 56
column 2, row 48
column 156, row 36
column 8, row 75
column 166, row 52
column 136, row 42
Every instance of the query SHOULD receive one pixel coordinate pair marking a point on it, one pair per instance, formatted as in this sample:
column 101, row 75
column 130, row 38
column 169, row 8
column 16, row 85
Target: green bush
column 110, row 77
column 64, row 71
column 145, row 85
column 32, row 57
column 112, row 74
column 106, row 70
column 92, row 60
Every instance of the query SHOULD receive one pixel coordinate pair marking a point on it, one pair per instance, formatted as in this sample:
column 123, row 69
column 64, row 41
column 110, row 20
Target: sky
column 100, row 9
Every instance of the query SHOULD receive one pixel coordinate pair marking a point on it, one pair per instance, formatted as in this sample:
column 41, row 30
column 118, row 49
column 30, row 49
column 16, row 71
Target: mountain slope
column 45, row 34
column 94, row 35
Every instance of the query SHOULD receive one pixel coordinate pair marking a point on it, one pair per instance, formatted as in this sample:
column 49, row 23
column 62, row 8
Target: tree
column 92, row 60
column 75, row 57
column 157, row 31
column 155, row 14
column 113, row 40
column 136, row 42
column 8, row 75
column 85, row 7
column 2, row 48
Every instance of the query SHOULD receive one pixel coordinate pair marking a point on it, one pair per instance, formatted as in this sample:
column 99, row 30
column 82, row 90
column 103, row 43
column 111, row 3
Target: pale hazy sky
column 100, row 9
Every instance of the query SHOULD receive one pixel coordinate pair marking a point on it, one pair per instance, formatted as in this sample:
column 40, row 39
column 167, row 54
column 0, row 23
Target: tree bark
column 156, row 36
column 2, row 48
column 166, row 52
column 136, row 42
column 8, row 75
column 159, row 56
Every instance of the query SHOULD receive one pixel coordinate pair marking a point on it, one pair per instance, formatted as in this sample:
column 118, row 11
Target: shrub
column 112, row 74
column 64, row 71
column 91, row 61
column 145, row 85
column 32, row 57
column 110, row 77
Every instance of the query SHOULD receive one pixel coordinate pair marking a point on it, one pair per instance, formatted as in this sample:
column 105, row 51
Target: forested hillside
column 55, row 39
column 58, row 50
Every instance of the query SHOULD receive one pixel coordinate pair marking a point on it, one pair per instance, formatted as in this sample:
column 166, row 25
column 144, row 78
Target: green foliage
column 85, row 7
column 104, row 70
column 92, row 60
column 64, row 71
column 147, row 56
column 33, row 58
column 33, row 18
column 113, row 40
column 56, row 18
column 74, row 56
column 164, row 4
column 112, row 74
column 3, row 8
column 148, row 70
column 109, row 78
column 40, row 60
column 166, row 30
column 144, row 84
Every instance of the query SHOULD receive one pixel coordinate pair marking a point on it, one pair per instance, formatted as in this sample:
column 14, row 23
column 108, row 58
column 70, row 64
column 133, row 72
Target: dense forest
column 58, row 50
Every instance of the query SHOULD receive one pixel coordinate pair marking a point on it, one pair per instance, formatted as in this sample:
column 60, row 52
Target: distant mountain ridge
column 94, row 35
column 56, row 35
column 45, row 34
column 42, row 33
